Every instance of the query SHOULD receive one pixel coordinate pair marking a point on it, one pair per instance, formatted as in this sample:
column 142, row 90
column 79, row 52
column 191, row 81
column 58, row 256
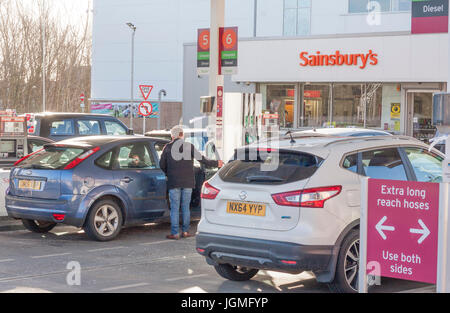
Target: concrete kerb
column 9, row 224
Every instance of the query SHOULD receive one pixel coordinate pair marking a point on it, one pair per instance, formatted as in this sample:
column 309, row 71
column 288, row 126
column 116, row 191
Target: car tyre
column 104, row 221
column 39, row 227
column 346, row 277
column 235, row 273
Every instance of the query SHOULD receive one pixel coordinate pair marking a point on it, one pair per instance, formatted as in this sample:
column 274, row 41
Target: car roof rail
column 370, row 138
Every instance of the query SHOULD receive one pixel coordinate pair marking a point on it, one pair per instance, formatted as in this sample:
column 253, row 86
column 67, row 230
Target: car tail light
column 307, row 198
column 27, row 156
column 316, row 197
column 291, row 198
column 268, row 150
column 209, row 192
column 59, row 217
column 288, row 262
column 81, row 158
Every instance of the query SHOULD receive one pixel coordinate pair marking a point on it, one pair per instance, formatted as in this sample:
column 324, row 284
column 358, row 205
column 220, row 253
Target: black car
column 60, row 126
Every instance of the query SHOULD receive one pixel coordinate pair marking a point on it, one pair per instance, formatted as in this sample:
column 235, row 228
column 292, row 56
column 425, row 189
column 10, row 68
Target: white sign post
column 443, row 276
column 362, row 279
column 146, row 90
column 443, row 282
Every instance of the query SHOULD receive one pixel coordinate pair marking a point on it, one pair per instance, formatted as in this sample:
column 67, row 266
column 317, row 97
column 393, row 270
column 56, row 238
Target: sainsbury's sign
column 339, row 59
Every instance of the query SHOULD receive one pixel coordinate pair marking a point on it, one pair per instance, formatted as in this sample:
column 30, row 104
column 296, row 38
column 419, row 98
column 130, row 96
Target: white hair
column 176, row 131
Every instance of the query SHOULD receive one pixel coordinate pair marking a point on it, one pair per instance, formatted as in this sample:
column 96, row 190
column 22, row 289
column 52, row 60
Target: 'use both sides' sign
column 402, row 229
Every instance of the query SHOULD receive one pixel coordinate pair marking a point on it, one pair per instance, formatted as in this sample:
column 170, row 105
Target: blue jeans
column 179, row 197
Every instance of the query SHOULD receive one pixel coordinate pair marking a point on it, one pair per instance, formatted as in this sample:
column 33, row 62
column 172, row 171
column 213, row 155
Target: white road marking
column 105, row 249
column 155, row 242
column 186, row 277
column 125, row 287
column 61, row 234
column 50, row 255
column 195, row 289
column 6, row 260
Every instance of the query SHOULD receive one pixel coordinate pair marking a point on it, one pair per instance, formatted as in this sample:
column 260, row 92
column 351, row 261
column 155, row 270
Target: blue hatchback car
column 98, row 183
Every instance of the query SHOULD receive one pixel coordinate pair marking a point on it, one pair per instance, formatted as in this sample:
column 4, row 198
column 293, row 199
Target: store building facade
column 381, row 81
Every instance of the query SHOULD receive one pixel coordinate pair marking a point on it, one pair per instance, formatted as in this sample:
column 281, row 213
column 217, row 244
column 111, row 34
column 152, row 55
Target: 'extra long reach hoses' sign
column 360, row 60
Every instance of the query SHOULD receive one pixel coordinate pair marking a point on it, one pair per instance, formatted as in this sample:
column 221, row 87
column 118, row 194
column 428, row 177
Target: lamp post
column 133, row 28
column 161, row 93
column 44, row 107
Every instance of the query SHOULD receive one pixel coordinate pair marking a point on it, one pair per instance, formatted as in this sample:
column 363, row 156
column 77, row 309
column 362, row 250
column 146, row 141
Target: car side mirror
column 130, row 132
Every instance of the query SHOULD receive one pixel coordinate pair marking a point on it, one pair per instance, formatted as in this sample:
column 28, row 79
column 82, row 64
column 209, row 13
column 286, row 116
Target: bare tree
column 67, row 59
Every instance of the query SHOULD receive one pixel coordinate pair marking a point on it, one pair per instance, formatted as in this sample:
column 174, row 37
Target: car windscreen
column 52, row 157
column 269, row 167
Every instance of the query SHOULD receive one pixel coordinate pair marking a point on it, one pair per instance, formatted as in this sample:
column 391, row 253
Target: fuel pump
column 13, row 140
column 13, row 147
column 271, row 127
column 242, row 121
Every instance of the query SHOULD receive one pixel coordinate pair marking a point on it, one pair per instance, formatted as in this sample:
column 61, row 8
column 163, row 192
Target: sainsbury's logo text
column 339, row 59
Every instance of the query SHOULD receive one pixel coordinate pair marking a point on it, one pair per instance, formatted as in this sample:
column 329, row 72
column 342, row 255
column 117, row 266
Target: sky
column 67, row 11
column 71, row 10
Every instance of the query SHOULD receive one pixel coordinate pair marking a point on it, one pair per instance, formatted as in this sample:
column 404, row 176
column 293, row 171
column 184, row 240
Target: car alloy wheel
column 351, row 265
column 106, row 220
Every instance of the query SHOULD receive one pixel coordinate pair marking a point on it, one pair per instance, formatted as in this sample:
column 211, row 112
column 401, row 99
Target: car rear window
column 264, row 168
column 52, row 158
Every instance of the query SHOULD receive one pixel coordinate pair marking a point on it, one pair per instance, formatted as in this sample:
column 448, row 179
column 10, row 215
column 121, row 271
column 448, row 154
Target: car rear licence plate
column 29, row 184
column 246, row 208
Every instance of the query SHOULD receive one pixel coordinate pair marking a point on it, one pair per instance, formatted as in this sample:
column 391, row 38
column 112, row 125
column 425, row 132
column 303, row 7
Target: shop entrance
column 420, row 114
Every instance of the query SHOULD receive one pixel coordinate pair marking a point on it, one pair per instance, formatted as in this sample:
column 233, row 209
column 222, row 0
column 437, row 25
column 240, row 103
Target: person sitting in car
column 136, row 162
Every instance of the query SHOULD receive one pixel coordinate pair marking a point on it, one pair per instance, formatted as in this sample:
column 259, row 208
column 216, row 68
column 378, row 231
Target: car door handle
column 127, row 180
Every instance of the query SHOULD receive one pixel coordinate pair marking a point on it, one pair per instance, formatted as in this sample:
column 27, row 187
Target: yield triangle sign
column 146, row 90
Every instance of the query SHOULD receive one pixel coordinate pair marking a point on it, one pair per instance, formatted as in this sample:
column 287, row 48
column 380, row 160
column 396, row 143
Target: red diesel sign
column 339, row 59
column 402, row 230
column 429, row 16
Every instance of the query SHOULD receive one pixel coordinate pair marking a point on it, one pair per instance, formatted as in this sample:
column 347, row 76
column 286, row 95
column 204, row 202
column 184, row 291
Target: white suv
column 304, row 215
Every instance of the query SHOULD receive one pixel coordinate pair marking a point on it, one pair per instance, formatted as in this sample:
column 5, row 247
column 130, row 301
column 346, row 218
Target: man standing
column 177, row 161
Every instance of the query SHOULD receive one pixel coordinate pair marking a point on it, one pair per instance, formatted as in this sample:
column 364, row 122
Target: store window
column 357, row 105
column 316, row 106
column 423, row 128
column 391, row 108
column 348, row 107
column 401, row 5
column 280, row 99
column 369, row 105
column 297, row 17
column 372, row 99
column 362, row 6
